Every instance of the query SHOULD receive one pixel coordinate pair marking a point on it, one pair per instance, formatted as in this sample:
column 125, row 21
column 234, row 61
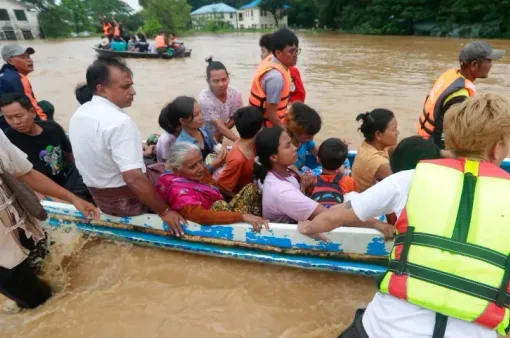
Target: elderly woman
column 189, row 189
column 452, row 213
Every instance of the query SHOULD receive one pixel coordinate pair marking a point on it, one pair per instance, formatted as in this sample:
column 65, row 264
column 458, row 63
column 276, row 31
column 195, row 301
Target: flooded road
column 106, row 289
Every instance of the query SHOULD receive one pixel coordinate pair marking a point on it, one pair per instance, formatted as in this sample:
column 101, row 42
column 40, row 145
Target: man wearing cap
column 13, row 79
column 455, row 86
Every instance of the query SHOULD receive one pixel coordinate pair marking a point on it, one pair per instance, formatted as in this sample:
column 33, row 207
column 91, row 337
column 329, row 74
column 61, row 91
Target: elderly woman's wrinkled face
column 192, row 167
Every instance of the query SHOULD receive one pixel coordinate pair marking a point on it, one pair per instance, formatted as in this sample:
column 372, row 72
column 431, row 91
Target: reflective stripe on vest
column 258, row 96
column 27, row 88
column 455, row 261
column 448, row 83
column 159, row 42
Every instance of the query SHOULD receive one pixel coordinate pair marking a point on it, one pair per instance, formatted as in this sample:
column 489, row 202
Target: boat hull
column 349, row 250
column 138, row 55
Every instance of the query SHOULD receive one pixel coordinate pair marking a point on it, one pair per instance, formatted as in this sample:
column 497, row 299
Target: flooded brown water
column 106, row 289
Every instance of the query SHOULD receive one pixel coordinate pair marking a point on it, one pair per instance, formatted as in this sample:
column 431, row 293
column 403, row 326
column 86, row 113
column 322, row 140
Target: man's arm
column 225, row 129
column 273, row 83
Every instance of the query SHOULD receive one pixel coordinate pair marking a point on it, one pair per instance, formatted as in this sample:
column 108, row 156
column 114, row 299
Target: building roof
column 214, row 8
column 256, row 3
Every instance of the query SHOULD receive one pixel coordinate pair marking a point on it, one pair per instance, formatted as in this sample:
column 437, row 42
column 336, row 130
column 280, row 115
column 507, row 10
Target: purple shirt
column 165, row 142
column 283, row 201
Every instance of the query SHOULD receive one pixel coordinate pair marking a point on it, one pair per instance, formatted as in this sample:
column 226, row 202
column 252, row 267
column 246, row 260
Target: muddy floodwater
column 107, row 289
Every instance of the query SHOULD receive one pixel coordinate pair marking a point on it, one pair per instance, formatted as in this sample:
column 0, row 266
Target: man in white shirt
column 107, row 147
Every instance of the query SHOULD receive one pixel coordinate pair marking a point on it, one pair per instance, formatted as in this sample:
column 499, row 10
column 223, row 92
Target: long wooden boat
column 349, row 250
column 140, row 55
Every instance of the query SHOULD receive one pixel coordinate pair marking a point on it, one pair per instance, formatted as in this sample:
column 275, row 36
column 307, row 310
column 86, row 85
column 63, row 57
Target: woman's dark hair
column 302, row 119
column 375, row 121
column 266, row 145
column 332, row 153
column 412, row 150
column 180, row 108
column 83, row 93
column 213, row 65
column 265, row 41
column 141, row 37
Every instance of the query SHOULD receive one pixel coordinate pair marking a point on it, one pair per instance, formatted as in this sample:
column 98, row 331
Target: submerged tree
column 275, row 7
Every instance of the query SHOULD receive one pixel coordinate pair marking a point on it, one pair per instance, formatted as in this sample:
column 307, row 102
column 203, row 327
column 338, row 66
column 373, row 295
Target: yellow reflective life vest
column 451, row 252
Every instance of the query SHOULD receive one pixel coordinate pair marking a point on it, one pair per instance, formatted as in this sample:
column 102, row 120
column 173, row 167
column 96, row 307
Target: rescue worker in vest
column 161, row 43
column 271, row 85
column 13, row 79
column 455, row 86
column 297, row 92
column 449, row 270
column 108, row 29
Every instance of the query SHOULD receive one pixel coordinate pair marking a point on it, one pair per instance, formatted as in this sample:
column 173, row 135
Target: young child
column 330, row 187
column 238, row 170
column 83, row 93
column 303, row 123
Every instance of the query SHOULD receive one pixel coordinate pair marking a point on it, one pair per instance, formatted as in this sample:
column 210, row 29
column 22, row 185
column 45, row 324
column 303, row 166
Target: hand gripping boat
column 350, row 250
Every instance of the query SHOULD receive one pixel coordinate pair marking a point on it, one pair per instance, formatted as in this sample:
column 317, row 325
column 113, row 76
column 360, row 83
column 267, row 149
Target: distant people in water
column 298, row 92
column 118, row 44
column 272, row 85
column 142, row 45
column 455, row 86
column 14, row 79
column 371, row 164
column 219, row 101
column 161, row 43
column 44, row 142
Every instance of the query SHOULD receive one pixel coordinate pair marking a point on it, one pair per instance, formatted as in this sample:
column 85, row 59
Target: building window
column 20, row 15
column 4, row 16
column 254, row 26
column 10, row 35
column 27, row 34
column 251, row 12
column 2, row 36
column 241, row 17
column 231, row 15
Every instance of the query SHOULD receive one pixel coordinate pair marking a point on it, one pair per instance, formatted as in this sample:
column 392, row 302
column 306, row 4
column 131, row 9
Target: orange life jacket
column 448, row 83
column 258, row 96
column 117, row 31
column 107, row 28
column 160, row 42
column 27, row 87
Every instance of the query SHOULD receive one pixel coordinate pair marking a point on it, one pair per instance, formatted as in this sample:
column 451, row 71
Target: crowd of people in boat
column 267, row 175
column 117, row 39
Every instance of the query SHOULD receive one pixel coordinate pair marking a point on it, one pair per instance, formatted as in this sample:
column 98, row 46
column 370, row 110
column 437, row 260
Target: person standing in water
column 449, row 270
column 455, row 86
column 298, row 92
column 219, row 101
column 272, row 84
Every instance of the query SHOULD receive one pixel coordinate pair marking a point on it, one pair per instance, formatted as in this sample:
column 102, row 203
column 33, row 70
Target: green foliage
column 79, row 18
column 275, row 7
column 170, row 14
column 152, row 27
column 108, row 8
column 54, row 22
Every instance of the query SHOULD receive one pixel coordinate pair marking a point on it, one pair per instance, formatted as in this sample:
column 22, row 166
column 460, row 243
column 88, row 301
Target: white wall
column 257, row 18
column 199, row 20
column 32, row 24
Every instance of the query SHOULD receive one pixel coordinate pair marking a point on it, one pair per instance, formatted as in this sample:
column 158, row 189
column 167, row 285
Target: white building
column 251, row 16
column 17, row 21
column 219, row 12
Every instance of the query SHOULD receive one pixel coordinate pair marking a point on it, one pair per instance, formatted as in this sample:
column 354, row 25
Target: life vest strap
column 500, row 300
column 408, row 239
column 465, row 210
column 450, row 281
column 440, row 326
column 461, row 248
